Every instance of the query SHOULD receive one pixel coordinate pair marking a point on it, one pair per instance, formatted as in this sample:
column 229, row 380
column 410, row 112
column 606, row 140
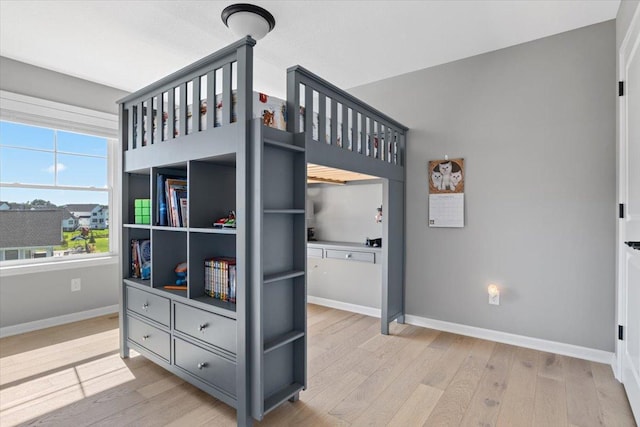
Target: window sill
column 57, row 265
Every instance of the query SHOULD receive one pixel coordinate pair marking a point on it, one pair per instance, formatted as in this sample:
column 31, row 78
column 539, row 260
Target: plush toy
column 181, row 272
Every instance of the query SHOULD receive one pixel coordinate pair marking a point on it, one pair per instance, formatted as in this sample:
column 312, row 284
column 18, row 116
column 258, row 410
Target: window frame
column 33, row 111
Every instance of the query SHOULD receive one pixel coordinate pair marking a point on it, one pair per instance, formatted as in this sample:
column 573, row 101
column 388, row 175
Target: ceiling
column 129, row 44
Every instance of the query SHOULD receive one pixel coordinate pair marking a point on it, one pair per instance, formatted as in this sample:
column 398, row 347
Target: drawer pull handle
column 145, row 306
column 202, row 327
column 145, row 337
column 347, row 256
column 202, row 365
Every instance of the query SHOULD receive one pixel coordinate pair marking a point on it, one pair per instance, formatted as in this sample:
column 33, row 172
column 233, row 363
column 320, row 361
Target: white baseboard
column 339, row 305
column 614, row 367
column 571, row 350
column 55, row 321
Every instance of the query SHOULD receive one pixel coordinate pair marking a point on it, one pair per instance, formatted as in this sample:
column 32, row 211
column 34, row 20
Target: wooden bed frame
column 160, row 135
column 363, row 140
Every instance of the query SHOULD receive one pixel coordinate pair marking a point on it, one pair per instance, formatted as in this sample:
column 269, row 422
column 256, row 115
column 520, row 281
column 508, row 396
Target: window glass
column 27, row 166
column 18, row 135
column 81, row 170
column 54, row 193
column 76, row 143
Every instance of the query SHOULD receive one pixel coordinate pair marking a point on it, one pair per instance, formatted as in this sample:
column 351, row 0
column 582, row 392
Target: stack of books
column 141, row 259
column 172, row 202
column 220, row 278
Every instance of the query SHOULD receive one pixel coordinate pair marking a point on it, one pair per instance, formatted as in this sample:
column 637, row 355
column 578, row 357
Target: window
column 56, row 177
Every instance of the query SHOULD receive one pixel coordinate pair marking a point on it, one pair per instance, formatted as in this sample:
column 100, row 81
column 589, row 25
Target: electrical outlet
column 76, row 285
column 494, row 299
column 494, row 294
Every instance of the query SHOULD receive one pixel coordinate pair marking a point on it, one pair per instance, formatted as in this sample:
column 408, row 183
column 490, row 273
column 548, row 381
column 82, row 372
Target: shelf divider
column 137, row 226
column 212, row 230
column 275, row 277
column 284, row 211
column 282, row 340
column 281, row 395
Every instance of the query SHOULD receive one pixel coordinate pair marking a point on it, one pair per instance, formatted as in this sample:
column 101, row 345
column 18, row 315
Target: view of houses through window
column 54, row 193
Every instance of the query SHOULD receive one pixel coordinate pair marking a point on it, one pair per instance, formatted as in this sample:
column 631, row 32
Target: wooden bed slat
column 318, row 173
column 138, row 142
column 308, row 110
column 171, row 112
column 195, row 106
column 183, row 109
column 211, row 99
column 226, row 94
column 345, row 127
column 149, row 132
column 322, row 117
column 130, row 142
column 334, row 123
column 158, row 133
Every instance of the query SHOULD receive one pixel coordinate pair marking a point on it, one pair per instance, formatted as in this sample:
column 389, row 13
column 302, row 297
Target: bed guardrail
column 209, row 93
column 339, row 119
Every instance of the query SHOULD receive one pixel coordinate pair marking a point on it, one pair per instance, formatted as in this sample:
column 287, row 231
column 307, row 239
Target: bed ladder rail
column 357, row 126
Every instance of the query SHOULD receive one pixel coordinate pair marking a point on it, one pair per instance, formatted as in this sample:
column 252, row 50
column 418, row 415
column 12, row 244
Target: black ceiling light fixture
column 245, row 19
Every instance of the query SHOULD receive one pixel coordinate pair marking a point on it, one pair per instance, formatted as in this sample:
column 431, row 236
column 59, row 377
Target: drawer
column 205, row 365
column 205, row 326
column 149, row 337
column 149, row 305
column 314, row 252
column 351, row 255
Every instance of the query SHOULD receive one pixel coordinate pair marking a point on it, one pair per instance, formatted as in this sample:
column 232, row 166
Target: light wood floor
column 72, row 375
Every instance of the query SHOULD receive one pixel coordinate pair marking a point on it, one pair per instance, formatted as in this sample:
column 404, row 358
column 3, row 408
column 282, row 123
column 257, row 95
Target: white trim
column 614, row 367
column 629, row 43
column 56, row 321
column 339, row 305
column 54, row 186
column 55, row 115
column 41, row 112
column 579, row 352
column 56, row 264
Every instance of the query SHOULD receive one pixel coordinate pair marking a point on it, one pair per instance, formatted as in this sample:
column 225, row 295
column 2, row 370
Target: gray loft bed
column 360, row 139
column 197, row 123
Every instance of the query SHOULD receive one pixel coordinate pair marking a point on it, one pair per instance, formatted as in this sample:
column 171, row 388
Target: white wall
column 535, row 124
column 33, row 297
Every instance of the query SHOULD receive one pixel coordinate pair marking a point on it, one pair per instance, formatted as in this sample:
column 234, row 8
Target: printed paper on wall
column 446, row 193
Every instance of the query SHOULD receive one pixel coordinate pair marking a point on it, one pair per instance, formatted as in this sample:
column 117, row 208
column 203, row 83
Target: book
column 183, row 210
column 135, row 264
column 141, row 259
column 220, row 278
column 161, row 211
column 172, row 186
column 232, row 283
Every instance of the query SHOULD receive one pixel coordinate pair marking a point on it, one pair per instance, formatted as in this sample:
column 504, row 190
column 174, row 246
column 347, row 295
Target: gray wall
column 38, row 296
column 535, row 124
column 352, row 282
column 346, row 212
column 30, row 80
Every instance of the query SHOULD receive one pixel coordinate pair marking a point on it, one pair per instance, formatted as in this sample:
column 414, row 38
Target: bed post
column 393, row 252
